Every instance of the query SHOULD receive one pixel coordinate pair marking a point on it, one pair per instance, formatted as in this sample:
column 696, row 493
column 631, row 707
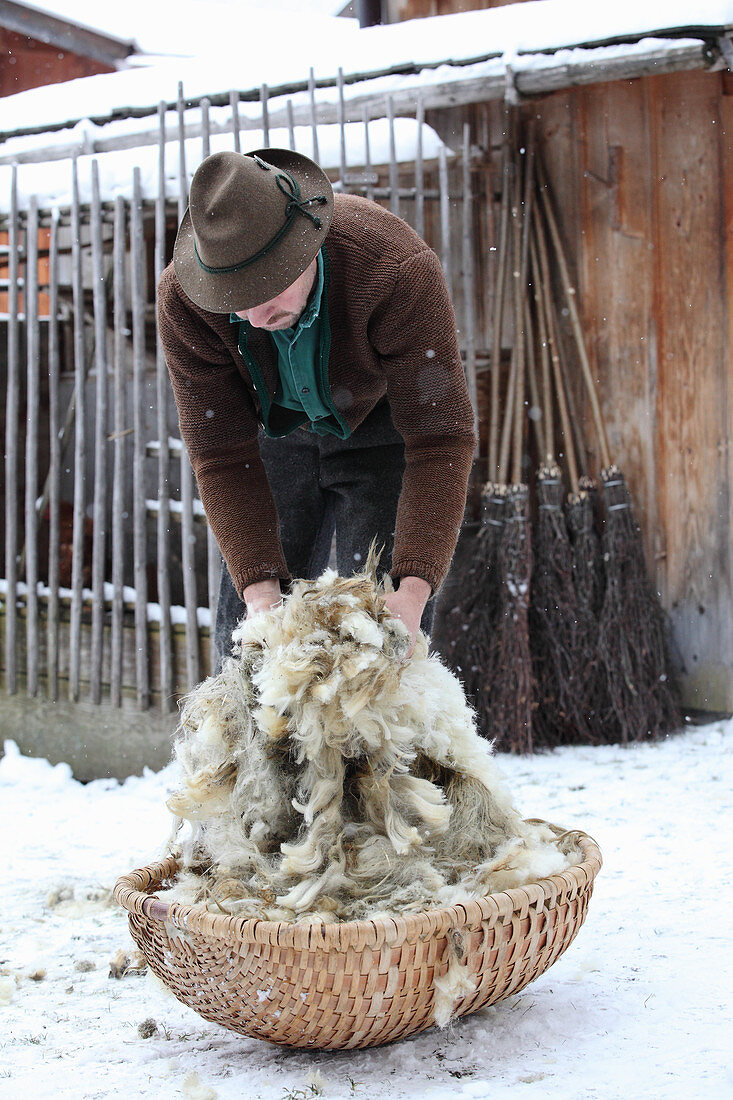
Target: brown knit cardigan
column 392, row 331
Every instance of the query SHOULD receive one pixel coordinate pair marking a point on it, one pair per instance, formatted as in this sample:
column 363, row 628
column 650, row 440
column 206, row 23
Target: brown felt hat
column 254, row 223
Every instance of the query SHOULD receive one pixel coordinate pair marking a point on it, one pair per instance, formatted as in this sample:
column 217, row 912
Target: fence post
column 165, row 634
column 77, row 554
column 31, row 446
column 12, row 411
column 139, row 507
column 119, row 435
column 99, row 531
column 468, row 277
column 54, row 471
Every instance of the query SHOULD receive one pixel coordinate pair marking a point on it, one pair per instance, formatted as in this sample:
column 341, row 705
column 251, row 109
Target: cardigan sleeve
column 219, row 427
column 414, row 334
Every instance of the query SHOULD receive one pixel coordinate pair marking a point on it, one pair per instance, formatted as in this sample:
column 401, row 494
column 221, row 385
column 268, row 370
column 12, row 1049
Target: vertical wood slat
column 445, row 234
column 182, row 177
column 31, row 445
column 341, row 116
column 205, row 131
column 12, row 414
column 99, row 535
column 469, row 318
column 213, row 556
column 139, row 510
column 165, row 634
column 314, row 123
column 54, row 471
column 264, row 96
column 234, row 107
column 369, row 192
column 188, row 565
column 420, row 168
column 119, row 436
column 188, row 537
column 77, row 553
column 291, row 123
column 394, row 177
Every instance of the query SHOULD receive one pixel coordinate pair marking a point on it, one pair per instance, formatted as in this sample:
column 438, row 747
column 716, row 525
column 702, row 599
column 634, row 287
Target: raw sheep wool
column 326, row 776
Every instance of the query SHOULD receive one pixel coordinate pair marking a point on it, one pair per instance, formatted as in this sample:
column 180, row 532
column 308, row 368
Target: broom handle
column 521, row 213
column 565, row 422
column 548, row 449
column 570, row 296
column 498, row 313
column 567, row 430
column 506, row 429
column 534, row 393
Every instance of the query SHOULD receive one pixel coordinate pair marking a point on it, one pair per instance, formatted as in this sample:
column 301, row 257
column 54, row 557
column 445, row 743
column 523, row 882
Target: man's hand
column 262, row 596
column 408, row 603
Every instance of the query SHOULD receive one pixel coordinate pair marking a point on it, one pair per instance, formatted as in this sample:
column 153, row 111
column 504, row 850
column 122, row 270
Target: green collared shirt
column 301, row 387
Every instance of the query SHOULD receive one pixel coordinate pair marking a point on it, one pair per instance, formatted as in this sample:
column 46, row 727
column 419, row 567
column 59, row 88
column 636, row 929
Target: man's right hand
column 262, row 596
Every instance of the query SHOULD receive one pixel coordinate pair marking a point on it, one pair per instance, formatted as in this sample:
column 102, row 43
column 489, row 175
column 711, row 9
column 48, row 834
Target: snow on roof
column 194, row 24
column 243, row 47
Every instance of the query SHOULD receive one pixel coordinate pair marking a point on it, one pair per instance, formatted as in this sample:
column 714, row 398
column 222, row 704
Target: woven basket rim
column 132, row 892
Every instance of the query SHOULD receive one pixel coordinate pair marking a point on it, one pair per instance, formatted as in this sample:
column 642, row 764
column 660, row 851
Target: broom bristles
column 588, row 579
column 507, row 695
column 632, row 637
column 554, row 621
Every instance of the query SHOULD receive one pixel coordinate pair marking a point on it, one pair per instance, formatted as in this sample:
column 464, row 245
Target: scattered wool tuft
column 455, row 983
column 194, row 1089
column 326, row 776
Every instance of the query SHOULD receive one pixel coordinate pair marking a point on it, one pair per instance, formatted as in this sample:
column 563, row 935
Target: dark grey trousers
column 322, row 484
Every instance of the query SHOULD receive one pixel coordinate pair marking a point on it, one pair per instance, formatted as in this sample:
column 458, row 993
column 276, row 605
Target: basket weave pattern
column 360, row 983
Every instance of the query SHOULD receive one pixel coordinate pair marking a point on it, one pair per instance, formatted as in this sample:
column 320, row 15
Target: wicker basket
column 359, row 983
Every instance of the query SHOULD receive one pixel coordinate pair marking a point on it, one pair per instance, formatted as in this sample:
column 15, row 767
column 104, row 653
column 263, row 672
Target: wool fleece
column 326, row 776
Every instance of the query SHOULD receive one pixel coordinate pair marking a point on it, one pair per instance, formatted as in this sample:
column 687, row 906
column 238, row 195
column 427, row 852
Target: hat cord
column 296, row 205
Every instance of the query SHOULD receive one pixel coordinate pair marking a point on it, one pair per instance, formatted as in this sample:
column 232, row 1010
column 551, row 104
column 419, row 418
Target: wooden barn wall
column 642, row 174
column 27, row 63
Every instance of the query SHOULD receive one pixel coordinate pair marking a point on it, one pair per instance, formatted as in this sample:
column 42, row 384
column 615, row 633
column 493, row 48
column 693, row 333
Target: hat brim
column 273, row 273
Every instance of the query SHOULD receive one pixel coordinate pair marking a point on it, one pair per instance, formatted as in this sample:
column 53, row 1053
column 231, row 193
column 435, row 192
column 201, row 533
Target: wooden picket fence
column 109, row 596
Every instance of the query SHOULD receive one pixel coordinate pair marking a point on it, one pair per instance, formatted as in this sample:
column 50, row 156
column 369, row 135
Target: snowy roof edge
column 493, row 76
column 68, row 34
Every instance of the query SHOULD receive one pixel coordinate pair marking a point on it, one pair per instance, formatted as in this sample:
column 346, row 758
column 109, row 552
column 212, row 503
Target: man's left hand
column 408, row 603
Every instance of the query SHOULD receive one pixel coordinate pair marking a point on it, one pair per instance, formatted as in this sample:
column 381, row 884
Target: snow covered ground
column 638, row 1007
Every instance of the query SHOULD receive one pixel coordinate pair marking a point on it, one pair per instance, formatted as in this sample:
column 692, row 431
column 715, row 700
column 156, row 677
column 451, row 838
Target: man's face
column 284, row 310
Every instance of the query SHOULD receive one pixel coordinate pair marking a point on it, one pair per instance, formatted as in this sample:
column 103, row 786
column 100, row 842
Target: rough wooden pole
column 502, row 267
column 420, row 169
column 182, row 177
column 139, row 509
column 165, row 632
column 394, row 175
column 445, row 234
column 213, row 554
column 205, row 133
column 469, row 321
column 314, row 123
column 99, row 533
column 290, row 123
column 77, row 555
column 264, row 97
column 341, row 118
column 367, row 157
column 31, row 445
column 12, row 416
column 119, row 437
column 234, row 106
column 188, row 537
column 54, row 471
